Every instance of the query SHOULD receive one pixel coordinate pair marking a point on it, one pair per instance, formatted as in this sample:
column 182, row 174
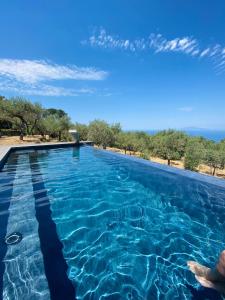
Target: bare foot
column 207, row 277
column 218, row 286
column 207, row 273
column 198, row 269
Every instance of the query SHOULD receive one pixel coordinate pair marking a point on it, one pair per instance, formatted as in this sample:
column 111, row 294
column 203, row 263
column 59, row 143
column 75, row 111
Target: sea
column 214, row 135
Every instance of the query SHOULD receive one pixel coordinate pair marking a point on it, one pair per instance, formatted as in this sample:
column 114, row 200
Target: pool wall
column 170, row 169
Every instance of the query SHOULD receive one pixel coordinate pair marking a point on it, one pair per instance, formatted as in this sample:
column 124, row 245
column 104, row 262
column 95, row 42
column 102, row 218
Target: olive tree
column 215, row 158
column 55, row 126
column 194, row 154
column 82, row 129
column 23, row 114
column 101, row 133
column 169, row 145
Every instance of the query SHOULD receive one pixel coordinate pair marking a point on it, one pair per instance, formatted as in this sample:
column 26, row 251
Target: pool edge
column 170, row 169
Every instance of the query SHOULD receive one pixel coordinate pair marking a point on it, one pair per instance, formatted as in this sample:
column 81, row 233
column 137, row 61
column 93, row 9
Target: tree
column 143, row 142
column 55, row 126
column 82, row 129
column 53, row 111
column 101, row 133
column 125, row 141
column 194, row 154
column 134, row 141
column 169, row 145
column 64, row 126
column 221, row 145
column 55, row 123
column 215, row 158
column 23, row 114
column 116, row 128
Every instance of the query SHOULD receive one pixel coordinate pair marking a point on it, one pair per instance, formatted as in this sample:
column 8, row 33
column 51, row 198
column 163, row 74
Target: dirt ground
column 175, row 163
column 15, row 140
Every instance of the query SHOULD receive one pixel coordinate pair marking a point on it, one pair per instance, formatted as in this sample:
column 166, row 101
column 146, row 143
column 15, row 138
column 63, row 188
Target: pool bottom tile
column 24, row 276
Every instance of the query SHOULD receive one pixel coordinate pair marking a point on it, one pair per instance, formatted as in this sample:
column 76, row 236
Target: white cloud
column 32, row 71
column 39, row 89
column 205, row 52
column 31, row 77
column 155, row 42
column 186, row 109
column 159, row 44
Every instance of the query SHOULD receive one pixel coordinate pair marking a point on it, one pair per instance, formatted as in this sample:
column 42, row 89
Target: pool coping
column 7, row 149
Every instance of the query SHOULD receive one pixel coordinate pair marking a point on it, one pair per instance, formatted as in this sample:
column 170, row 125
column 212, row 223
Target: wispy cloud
column 186, row 109
column 157, row 43
column 33, row 71
column 32, row 77
column 39, row 89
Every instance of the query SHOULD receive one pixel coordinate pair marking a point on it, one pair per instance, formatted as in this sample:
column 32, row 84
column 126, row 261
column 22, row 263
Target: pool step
column 24, row 276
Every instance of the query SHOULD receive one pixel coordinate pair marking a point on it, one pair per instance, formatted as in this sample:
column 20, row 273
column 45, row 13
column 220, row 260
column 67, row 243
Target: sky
column 148, row 64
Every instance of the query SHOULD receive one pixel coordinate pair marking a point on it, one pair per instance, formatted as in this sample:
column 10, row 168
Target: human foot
column 198, row 269
column 206, row 277
column 218, row 286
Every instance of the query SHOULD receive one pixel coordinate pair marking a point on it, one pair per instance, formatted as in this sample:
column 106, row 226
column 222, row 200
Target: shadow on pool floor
column 204, row 293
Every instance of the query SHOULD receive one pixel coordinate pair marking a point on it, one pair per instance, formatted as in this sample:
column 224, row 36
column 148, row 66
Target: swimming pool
column 98, row 225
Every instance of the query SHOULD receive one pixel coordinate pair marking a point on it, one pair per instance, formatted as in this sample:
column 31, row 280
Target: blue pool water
column 98, row 225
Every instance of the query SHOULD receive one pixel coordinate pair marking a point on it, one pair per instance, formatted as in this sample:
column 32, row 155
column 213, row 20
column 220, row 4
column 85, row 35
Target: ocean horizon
column 214, row 135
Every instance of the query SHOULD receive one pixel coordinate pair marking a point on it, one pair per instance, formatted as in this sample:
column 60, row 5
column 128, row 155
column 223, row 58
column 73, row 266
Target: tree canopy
column 101, row 133
column 169, row 145
column 31, row 118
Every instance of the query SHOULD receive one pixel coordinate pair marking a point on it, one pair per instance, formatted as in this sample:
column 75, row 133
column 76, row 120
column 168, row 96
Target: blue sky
column 148, row 64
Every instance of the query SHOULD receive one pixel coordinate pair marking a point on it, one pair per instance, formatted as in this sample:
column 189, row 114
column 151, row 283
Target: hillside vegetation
column 20, row 117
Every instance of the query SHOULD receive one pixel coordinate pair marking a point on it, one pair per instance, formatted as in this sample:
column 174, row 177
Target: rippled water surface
column 127, row 228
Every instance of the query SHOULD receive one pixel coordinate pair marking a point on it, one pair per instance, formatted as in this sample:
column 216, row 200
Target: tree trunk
column 22, row 130
column 59, row 136
column 125, row 150
column 33, row 127
column 169, row 162
column 214, row 171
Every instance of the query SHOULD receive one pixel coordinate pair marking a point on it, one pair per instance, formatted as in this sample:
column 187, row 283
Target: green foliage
column 221, row 145
column 145, row 155
column 23, row 114
column 55, row 126
column 215, row 158
column 126, row 141
column 101, row 133
column 57, row 112
column 143, row 142
column 122, row 141
column 194, row 153
column 30, row 118
column 82, row 129
column 116, row 128
column 169, row 144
